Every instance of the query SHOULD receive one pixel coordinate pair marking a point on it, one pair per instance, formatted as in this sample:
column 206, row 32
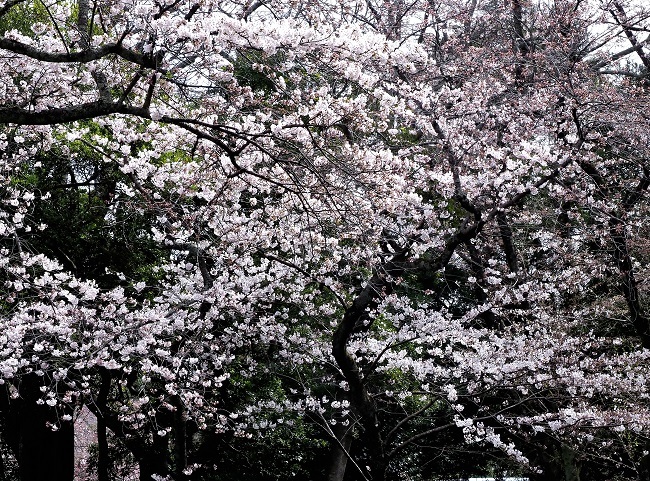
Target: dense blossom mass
column 403, row 229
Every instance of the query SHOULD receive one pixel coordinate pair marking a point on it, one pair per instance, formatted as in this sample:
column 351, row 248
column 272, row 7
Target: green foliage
column 288, row 452
column 408, row 137
column 85, row 229
column 22, row 16
column 248, row 71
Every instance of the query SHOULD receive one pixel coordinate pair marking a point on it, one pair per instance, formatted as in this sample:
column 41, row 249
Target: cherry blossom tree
column 406, row 224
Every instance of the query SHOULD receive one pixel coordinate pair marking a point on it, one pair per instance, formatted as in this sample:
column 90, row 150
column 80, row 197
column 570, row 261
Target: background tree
column 406, row 227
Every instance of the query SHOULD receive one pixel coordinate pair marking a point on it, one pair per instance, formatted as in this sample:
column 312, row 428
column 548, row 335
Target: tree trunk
column 339, row 456
column 155, row 460
column 43, row 454
column 103, row 460
column 180, row 440
column 571, row 465
column 151, row 465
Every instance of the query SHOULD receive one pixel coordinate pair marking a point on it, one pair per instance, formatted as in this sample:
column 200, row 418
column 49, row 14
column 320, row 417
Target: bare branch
column 596, row 65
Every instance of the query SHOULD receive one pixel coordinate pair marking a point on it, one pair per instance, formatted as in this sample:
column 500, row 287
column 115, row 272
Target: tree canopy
column 360, row 240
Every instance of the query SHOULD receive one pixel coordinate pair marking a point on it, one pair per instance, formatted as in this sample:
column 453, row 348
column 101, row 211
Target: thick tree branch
column 251, row 8
column 621, row 18
column 83, row 56
column 63, row 115
column 379, row 284
column 598, row 64
column 629, row 287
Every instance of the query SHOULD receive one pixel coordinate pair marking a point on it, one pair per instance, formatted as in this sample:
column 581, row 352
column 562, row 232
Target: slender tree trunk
column 103, row 459
column 339, row 456
column 180, row 440
column 359, row 396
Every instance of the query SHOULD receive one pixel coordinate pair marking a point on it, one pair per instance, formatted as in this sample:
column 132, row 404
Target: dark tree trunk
column 152, row 464
column 570, row 463
column 155, row 460
column 43, row 454
column 508, row 244
column 557, row 461
column 180, row 440
column 103, row 458
column 339, row 454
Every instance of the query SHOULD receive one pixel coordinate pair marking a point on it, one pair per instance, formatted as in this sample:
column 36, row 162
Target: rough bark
column 359, row 396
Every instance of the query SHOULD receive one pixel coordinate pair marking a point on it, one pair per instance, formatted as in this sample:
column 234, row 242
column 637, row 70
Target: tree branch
column 9, row 5
column 622, row 20
column 63, row 115
column 83, row 56
column 612, row 58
